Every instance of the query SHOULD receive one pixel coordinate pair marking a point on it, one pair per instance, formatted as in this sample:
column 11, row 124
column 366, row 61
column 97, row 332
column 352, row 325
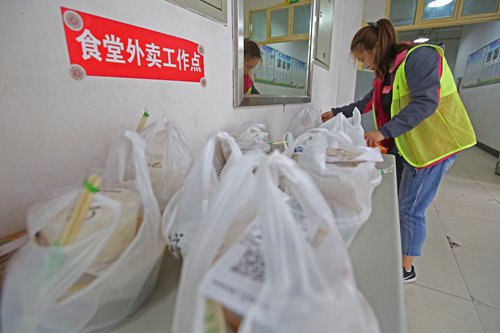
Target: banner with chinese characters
column 101, row 47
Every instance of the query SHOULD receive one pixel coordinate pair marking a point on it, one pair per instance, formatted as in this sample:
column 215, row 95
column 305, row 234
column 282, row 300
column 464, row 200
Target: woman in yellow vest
column 419, row 118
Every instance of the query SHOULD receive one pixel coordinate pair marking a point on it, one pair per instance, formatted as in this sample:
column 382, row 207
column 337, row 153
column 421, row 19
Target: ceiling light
column 439, row 3
column 421, row 40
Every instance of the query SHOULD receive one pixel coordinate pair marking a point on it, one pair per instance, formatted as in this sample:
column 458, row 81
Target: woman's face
column 366, row 57
column 250, row 64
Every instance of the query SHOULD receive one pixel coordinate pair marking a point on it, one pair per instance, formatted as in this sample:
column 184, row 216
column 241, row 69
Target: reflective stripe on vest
column 447, row 131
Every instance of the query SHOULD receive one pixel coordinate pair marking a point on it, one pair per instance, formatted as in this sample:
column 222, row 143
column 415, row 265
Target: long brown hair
column 251, row 49
column 380, row 38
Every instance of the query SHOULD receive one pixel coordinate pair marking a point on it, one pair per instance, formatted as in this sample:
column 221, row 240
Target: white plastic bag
column 349, row 129
column 169, row 158
column 99, row 217
column 308, row 285
column 346, row 141
column 347, row 187
column 250, row 135
column 211, row 236
column 41, row 291
column 305, row 119
column 186, row 209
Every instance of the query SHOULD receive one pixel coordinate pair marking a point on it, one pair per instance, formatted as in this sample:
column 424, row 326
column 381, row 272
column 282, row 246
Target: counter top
column 375, row 254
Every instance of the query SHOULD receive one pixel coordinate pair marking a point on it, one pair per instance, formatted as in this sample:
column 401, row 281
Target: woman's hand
column 373, row 137
column 327, row 115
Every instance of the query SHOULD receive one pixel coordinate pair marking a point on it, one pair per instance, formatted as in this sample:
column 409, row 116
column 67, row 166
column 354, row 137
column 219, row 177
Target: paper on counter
column 364, row 154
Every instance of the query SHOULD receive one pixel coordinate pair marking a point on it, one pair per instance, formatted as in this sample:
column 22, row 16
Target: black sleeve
column 347, row 110
column 422, row 75
column 254, row 90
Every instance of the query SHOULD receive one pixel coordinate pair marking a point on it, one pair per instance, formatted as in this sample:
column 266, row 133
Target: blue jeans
column 416, row 192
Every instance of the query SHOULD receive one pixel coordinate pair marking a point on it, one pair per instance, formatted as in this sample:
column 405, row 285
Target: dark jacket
column 422, row 71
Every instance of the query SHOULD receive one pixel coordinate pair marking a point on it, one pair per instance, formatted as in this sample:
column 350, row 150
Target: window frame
column 290, row 36
column 457, row 19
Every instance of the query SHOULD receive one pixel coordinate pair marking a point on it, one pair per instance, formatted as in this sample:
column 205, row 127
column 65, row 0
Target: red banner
column 101, row 47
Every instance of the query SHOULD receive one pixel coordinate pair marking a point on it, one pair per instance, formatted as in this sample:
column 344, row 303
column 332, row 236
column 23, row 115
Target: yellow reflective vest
column 447, row 131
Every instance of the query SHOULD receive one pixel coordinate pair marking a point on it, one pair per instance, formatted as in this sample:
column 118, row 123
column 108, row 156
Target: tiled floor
column 458, row 285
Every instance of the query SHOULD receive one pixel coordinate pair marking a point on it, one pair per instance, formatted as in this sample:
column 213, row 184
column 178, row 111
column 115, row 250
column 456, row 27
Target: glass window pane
column 279, row 22
column 479, row 7
column 437, row 9
column 403, row 12
column 258, row 25
column 301, row 19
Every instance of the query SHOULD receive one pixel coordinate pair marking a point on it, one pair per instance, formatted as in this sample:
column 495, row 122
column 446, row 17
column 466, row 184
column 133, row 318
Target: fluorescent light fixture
column 421, row 40
column 439, row 3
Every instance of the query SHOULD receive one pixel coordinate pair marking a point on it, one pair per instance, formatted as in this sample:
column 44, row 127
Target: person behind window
column 252, row 57
column 419, row 118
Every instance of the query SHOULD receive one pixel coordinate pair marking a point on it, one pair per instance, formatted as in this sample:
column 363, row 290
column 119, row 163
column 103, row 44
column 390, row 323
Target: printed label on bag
column 236, row 278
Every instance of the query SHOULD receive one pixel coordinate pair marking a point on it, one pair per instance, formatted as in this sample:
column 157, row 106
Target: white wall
column 54, row 130
column 451, row 51
column 338, row 83
column 483, row 102
column 373, row 10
